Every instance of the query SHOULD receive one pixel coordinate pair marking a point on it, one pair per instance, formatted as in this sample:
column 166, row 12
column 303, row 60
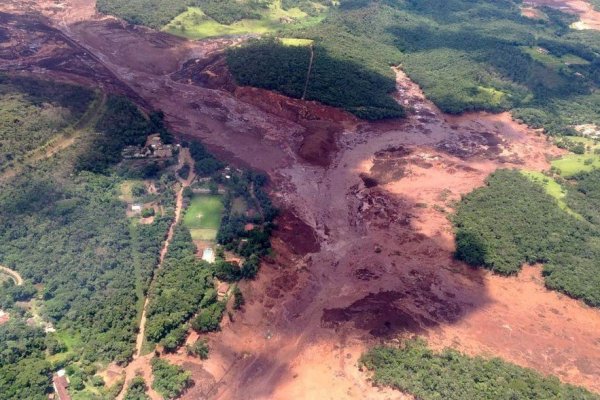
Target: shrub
column 209, row 319
column 169, row 380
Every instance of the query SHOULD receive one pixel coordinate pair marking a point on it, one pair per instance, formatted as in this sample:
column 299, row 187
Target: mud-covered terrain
column 589, row 17
column 363, row 252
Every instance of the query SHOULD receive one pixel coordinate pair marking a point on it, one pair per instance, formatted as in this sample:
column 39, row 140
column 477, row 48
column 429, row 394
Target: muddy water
column 373, row 263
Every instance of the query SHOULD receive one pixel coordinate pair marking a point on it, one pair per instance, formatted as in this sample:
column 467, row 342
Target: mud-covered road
column 364, row 247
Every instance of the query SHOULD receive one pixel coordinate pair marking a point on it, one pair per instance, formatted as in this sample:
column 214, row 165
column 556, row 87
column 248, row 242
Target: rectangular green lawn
column 203, row 217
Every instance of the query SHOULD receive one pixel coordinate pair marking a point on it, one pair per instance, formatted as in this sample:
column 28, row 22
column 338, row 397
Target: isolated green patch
column 333, row 80
column 204, row 213
column 513, row 220
column 451, row 375
column 573, row 164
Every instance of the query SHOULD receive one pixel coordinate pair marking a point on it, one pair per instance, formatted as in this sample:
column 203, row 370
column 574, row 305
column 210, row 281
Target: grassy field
column 203, row 217
column 553, row 188
column 127, row 189
column 573, row 164
column 296, row 42
column 195, row 24
column 547, row 58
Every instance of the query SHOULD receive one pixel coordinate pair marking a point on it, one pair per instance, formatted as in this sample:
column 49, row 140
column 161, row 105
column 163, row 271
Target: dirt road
column 364, row 245
column 141, row 364
column 14, row 275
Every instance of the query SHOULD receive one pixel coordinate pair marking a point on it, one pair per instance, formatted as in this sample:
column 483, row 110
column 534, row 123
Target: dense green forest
column 183, row 285
column 32, row 112
column 24, row 372
column 466, row 55
column 450, row 375
column 152, row 13
column 513, row 220
column 63, row 226
column 169, row 380
column 272, row 65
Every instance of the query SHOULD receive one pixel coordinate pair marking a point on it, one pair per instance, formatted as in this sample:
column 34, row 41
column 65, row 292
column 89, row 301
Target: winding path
column 14, row 275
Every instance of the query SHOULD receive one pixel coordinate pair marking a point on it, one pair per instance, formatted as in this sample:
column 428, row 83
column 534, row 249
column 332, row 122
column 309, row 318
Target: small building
column 248, row 227
column 60, row 383
column 136, row 208
column 222, row 290
column 208, row 255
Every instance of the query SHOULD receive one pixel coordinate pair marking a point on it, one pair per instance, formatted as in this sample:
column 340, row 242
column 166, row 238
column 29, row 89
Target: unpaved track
column 141, row 364
column 381, row 265
column 310, row 66
column 14, row 275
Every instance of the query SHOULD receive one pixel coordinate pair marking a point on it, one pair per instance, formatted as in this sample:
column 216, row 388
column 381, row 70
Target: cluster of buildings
column 154, row 148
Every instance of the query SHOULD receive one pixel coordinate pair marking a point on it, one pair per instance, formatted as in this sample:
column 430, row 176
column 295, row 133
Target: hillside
column 273, row 199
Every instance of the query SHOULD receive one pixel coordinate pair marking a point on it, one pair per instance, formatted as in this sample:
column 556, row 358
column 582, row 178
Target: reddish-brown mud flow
column 588, row 15
column 364, row 249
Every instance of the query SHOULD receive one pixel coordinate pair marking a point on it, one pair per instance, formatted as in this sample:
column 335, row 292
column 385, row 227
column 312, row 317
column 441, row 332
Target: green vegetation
column 64, row 229
column 153, row 13
column 586, row 156
column 451, row 375
column 33, row 112
column 24, row 372
column 178, row 291
column 205, row 18
column 222, row 18
column 205, row 164
column 466, row 55
column 169, row 380
column 199, row 349
column 514, row 220
column 553, row 188
column 137, row 390
column 273, row 65
column 584, row 195
column 252, row 244
column 74, row 225
column 120, row 125
column 238, row 298
column 203, row 216
column 209, row 318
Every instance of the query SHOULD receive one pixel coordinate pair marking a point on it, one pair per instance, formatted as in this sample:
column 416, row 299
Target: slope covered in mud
column 364, row 247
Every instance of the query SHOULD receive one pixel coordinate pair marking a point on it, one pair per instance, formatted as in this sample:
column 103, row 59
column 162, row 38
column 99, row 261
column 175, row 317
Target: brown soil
column 589, row 16
column 363, row 254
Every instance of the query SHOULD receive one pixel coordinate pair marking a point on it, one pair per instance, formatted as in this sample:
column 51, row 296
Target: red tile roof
column 61, row 384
